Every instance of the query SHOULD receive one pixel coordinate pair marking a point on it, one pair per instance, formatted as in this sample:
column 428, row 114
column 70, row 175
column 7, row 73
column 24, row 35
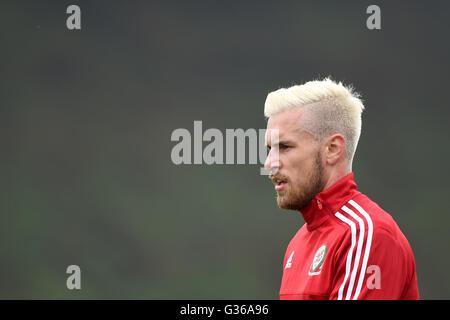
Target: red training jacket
column 349, row 248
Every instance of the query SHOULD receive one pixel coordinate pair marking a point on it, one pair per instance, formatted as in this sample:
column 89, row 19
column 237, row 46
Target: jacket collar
column 328, row 201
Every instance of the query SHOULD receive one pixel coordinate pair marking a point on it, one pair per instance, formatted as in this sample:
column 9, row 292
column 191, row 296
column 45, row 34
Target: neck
column 335, row 175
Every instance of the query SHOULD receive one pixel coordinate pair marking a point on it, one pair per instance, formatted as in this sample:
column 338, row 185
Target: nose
column 272, row 163
column 267, row 162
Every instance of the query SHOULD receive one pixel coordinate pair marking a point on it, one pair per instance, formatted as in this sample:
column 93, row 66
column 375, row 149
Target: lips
column 280, row 184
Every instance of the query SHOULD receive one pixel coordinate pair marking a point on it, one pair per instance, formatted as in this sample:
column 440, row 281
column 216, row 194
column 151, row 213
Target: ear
column 334, row 148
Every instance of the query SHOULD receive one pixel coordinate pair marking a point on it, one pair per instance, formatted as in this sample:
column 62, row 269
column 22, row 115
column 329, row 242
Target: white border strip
column 350, row 252
column 368, row 245
column 358, row 250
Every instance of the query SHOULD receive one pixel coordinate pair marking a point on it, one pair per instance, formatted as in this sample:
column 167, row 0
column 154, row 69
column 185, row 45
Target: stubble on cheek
column 296, row 197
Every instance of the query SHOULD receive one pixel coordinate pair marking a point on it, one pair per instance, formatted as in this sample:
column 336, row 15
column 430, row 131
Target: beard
column 296, row 197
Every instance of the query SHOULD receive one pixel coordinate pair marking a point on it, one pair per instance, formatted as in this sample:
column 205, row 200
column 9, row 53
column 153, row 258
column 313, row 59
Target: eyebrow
column 283, row 142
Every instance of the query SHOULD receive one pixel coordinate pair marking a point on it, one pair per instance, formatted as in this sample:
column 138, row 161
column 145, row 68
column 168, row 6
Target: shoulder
column 364, row 221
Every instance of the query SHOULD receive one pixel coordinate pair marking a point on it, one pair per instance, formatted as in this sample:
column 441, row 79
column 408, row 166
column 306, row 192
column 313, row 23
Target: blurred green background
column 86, row 118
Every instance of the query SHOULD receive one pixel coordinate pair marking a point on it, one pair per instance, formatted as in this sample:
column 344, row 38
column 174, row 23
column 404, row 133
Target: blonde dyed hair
column 330, row 108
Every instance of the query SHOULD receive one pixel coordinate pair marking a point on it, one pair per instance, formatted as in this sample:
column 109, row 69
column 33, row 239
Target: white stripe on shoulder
column 350, row 252
column 358, row 250
column 368, row 246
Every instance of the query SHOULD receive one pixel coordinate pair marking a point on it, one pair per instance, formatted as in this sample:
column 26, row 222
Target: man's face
column 300, row 174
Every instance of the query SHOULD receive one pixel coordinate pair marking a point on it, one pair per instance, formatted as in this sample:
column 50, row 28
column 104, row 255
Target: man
column 349, row 247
